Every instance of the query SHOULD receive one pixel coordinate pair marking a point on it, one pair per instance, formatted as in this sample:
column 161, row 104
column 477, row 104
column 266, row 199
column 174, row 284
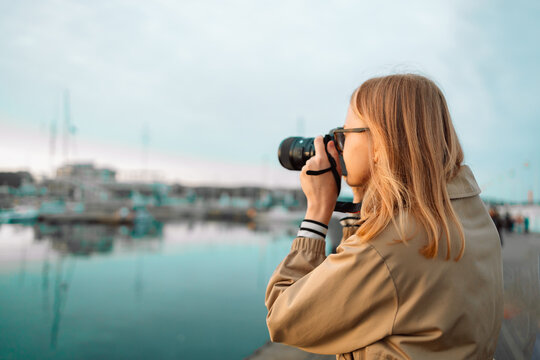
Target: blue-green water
column 174, row 291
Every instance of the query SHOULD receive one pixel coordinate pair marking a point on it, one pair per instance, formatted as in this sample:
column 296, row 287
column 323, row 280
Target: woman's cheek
column 352, row 170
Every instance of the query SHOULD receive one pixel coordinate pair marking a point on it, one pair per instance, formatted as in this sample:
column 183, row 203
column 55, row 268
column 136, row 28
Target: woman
column 418, row 275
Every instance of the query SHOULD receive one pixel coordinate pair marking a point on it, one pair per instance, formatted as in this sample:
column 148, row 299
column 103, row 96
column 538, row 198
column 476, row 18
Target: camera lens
column 294, row 151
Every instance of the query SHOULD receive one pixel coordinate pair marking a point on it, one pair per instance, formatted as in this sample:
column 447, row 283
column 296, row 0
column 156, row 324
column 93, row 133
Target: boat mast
column 67, row 125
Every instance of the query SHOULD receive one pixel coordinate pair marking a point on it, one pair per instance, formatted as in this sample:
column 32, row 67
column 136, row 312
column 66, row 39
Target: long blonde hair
column 417, row 152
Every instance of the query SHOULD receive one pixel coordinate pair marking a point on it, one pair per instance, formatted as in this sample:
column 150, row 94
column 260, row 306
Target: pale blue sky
column 224, row 82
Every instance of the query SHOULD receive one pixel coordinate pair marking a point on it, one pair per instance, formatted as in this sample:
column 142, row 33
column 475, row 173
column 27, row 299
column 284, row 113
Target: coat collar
column 463, row 184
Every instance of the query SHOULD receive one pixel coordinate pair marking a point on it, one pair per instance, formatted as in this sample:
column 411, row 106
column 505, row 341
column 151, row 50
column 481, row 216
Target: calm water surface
column 174, row 291
column 179, row 291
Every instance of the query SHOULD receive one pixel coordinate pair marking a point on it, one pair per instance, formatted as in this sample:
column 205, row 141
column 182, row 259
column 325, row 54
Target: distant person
column 508, row 222
column 519, row 223
column 418, row 275
column 526, row 224
column 498, row 221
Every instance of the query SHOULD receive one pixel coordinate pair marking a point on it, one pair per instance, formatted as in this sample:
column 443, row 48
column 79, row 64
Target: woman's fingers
column 333, row 151
column 320, row 160
column 320, row 190
column 319, row 146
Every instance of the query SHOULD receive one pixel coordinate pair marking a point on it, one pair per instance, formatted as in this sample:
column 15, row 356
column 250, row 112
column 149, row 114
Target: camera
column 295, row 151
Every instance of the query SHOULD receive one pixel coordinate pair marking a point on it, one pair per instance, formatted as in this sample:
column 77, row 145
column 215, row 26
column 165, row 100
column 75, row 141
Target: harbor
column 82, row 193
column 82, row 253
column 142, row 232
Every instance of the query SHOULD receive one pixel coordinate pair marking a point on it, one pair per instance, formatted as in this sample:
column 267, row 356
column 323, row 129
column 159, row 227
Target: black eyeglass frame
column 334, row 133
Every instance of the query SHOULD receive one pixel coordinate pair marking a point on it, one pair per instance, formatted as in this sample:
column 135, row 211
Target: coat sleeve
column 330, row 305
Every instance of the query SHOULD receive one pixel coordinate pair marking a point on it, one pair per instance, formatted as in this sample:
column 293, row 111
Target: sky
column 204, row 91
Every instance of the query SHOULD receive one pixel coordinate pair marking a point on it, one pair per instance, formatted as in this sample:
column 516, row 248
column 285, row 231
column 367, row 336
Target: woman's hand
column 320, row 190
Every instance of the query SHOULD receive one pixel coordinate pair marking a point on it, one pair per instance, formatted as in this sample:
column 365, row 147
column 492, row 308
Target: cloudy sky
column 212, row 87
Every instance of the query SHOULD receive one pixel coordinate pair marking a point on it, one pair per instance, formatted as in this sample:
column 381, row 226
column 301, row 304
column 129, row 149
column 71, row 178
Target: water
column 174, row 291
column 179, row 291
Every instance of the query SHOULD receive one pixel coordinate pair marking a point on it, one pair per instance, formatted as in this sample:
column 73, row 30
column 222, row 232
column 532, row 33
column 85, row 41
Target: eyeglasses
column 338, row 134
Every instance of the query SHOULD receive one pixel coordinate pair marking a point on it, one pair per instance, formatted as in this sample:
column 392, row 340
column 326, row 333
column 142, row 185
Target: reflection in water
column 22, row 266
column 77, row 239
column 138, row 286
column 181, row 290
column 260, row 268
column 83, row 240
column 45, row 281
column 61, row 287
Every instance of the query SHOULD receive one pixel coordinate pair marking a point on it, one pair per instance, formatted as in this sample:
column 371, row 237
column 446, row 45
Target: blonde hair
column 417, row 152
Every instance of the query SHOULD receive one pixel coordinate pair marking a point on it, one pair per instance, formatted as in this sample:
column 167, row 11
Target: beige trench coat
column 387, row 301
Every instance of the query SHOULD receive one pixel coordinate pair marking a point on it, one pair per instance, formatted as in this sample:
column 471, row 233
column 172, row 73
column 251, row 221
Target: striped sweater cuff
column 312, row 229
column 350, row 220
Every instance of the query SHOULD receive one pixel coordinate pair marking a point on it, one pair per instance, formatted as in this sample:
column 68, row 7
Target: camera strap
column 341, row 206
